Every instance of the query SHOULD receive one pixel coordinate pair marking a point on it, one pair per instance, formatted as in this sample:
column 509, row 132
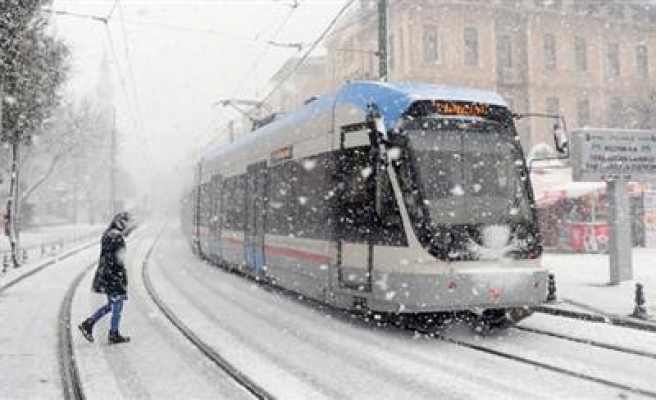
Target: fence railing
column 46, row 248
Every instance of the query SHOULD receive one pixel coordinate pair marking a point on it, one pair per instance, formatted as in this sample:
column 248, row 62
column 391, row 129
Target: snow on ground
column 29, row 311
column 299, row 351
column 296, row 349
column 584, row 278
column 35, row 237
column 158, row 363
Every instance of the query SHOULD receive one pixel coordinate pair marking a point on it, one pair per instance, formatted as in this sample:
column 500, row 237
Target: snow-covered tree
column 32, row 69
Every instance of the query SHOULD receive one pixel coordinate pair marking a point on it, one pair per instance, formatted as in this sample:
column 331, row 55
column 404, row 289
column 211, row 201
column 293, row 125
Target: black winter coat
column 111, row 277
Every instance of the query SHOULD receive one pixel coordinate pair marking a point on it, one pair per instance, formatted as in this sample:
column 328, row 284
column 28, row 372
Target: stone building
column 298, row 83
column 593, row 62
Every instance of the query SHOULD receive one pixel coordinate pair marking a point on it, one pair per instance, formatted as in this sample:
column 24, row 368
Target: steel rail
column 590, row 342
column 239, row 377
column 598, row 318
column 71, row 382
column 539, row 364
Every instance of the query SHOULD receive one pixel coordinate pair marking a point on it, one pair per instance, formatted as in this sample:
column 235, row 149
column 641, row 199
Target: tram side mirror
column 560, row 137
column 379, row 124
column 559, row 130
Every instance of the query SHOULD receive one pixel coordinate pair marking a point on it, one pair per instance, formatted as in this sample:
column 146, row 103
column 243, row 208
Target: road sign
column 613, row 154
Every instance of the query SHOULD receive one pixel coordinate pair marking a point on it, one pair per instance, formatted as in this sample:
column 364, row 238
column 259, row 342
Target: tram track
column 589, row 342
column 597, row 318
column 238, row 377
column 71, row 382
column 72, row 386
column 540, row 364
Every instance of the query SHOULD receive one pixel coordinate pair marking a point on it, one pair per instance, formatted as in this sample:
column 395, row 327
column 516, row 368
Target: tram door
column 256, row 189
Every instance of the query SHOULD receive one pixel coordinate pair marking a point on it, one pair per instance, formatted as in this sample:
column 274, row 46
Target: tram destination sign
column 613, row 154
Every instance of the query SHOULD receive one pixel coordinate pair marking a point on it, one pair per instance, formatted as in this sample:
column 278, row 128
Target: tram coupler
column 640, row 310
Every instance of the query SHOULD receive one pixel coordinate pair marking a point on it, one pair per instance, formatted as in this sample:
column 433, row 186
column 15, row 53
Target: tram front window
column 470, row 176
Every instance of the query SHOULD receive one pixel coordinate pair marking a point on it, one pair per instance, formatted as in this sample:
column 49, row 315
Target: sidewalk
column 582, row 283
column 45, row 235
column 45, row 244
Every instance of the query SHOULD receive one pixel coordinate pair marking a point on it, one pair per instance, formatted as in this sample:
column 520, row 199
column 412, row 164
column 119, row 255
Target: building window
column 613, row 60
column 583, row 112
column 471, row 46
column 504, row 52
column 431, row 54
column 642, row 64
column 549, row 50
column 616, row 114
column 580, row 53
column 553, row 106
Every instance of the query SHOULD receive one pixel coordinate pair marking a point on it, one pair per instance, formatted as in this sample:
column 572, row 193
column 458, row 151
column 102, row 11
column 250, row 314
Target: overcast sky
column 172, row 60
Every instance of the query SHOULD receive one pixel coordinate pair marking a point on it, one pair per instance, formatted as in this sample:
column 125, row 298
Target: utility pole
column 112, row 169
column 382, row 40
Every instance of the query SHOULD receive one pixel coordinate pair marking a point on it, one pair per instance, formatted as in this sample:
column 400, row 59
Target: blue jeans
column 115, row 305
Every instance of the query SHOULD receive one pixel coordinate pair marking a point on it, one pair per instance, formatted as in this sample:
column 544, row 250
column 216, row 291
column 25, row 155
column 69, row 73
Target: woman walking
column 111, row 279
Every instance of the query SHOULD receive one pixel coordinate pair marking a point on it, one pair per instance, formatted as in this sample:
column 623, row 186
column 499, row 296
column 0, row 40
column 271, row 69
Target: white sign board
column 613, row 154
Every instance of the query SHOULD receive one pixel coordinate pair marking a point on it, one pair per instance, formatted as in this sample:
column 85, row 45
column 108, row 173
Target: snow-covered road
column 292, row 348
column 297, row 350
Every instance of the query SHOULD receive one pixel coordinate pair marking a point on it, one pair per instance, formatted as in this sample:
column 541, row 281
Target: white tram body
column 432, row 213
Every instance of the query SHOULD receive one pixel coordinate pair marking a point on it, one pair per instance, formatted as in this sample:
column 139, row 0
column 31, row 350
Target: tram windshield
column 468, row 178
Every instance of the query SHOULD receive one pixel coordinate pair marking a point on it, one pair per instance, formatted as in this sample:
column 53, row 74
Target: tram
column 403, row 199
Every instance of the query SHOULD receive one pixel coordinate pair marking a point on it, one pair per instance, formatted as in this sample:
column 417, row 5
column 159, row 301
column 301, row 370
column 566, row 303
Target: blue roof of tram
column 392, row 99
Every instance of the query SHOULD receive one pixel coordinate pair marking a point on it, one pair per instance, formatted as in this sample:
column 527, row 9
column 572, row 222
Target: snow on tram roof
column 392, row 99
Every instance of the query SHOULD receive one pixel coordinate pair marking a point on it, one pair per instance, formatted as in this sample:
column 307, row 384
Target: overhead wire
column 211, row 126
column 180, row 28
column 141, row 128
column 264, row 51
column 313, row 46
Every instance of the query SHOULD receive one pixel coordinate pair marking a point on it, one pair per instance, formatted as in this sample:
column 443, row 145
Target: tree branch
column 46, row 175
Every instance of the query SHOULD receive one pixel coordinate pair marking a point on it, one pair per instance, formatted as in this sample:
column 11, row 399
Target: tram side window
column 315, row 196
column 234, row 201
column 226, row 199
column 239, row 203
column 204, row 203
column 281, row 211
column 368, row 211
column 216, row 199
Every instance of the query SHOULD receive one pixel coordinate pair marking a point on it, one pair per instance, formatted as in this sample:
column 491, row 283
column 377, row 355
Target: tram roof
column 392, row 99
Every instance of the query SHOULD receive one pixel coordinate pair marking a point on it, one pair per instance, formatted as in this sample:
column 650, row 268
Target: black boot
column 115, row 337
column 86, row 328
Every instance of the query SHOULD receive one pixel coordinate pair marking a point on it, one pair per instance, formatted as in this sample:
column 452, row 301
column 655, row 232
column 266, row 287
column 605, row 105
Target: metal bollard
column 551, row 289
column 640, row 311
column 5, row 263
column 24, row 255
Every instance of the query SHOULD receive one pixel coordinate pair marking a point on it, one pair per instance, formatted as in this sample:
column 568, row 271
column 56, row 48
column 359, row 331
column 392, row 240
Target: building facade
column 592, row 62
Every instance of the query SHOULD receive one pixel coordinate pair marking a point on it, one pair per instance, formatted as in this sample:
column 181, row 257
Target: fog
column 169, row 63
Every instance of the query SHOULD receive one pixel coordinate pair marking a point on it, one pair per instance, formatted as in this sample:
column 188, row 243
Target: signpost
column 615, row 156
column 649, row 204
